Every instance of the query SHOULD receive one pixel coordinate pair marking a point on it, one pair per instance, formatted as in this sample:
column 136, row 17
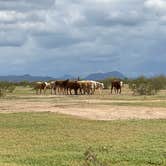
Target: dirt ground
column 86, row 109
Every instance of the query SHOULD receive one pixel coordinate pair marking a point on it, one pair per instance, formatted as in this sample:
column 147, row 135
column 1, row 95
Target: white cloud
column 156, row 4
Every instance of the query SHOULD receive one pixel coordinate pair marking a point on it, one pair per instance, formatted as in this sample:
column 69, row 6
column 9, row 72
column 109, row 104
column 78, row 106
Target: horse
column 39, row 86
column 117, row 86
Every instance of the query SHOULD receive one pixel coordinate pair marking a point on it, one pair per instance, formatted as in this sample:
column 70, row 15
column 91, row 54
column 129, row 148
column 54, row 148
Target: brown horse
column 72, row 85
column 60, row 86
column 117, row 86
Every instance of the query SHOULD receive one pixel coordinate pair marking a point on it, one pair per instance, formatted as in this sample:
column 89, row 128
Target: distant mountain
column 26, row 77
column 102, row 76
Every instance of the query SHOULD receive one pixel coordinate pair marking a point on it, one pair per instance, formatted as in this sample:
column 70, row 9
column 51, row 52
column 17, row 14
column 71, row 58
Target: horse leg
column 80, row 91
column 44, row 91
column 120, row 91
column 75, row 91
column 54, row 91
column 115, row 90
column 70, row 91
column 111, row 89
column 100, row 91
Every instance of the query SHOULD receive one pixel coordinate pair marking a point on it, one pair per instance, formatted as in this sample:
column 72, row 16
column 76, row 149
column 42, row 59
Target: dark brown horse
column 59, row 86
column 117, row 86
column 72, row 85
column 66, row 87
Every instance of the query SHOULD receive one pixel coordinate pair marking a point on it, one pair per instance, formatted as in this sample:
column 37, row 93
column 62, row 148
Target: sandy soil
column 87, row 109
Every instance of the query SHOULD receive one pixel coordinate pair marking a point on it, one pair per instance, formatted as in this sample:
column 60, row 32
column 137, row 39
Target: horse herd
column 70, row 87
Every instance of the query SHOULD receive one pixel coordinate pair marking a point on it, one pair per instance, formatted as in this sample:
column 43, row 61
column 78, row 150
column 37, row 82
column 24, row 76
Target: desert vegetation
column 102, row 129
column 6, row 87
column 141, row 85
column 147, row 86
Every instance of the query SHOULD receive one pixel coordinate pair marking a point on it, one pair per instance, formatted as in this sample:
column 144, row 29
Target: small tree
column 6, row 87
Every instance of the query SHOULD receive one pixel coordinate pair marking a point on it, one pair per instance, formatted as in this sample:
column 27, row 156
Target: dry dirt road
column 90, row 109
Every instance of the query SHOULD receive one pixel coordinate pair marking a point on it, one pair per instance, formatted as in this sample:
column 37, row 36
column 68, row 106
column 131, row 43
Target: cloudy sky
column 78, row 37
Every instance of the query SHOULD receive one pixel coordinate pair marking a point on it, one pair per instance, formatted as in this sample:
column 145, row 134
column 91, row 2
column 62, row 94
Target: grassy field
column 51, row 139
column 47, row 139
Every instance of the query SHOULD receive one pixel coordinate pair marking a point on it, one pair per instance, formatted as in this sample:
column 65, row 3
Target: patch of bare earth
column 87, row 110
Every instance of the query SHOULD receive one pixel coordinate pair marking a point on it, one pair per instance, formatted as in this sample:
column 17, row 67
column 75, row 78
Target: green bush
column 6, row 87
column 11, row 88
column 147, row 86
column 2, row 93
column 24, row 83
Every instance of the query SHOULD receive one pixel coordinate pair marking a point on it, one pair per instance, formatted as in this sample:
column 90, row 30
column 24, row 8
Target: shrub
column 24, row 83
column 91, row 158
column 11, row 88
column 6, row 87
column 2, row 93
column 147, row 86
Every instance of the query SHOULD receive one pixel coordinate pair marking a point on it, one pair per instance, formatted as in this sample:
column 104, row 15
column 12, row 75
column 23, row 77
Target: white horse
column 95, row 85
column 99, row 86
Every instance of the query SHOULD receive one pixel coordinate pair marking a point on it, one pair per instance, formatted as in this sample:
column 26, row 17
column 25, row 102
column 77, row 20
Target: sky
column 58, row 37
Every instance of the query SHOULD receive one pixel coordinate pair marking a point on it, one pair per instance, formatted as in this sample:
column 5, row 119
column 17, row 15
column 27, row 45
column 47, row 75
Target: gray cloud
column 25, row 5
column 70, row 36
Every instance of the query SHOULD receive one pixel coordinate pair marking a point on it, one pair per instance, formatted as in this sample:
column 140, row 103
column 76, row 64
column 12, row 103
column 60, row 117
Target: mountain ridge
column 102, row 76
column 28, row 77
